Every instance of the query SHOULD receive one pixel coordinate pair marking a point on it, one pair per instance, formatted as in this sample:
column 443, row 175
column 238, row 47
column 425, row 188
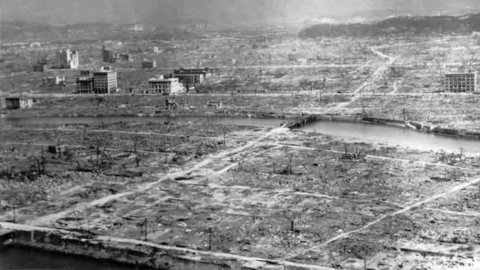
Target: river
column 24, row 258
column 396, row 136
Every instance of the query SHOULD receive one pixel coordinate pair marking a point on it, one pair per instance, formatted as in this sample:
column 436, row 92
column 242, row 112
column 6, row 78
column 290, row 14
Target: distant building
column 17, row 103
column 41, row 66
column 52, row 81
column 67, row 59
column 147, row 64
column 192, row 76
column 215, row 104
column 156, row 50
column 108, row 56
column 85, row 82
column 105, row 81
column 126, row 57
column 165, row 86
column 99, row 82
column 461, row 82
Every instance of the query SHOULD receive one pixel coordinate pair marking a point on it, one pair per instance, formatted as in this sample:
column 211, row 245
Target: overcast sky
column 222, row 11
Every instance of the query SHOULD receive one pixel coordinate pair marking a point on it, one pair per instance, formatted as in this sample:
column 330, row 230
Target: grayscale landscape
column 253, row 134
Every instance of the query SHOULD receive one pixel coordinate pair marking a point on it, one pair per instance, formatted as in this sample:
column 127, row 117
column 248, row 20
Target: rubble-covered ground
column 256, row 191
column 261, row 192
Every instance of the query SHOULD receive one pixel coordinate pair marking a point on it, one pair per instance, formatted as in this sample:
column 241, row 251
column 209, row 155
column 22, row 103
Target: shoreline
column 294, row 121
column 135, row 252
column 416, row 126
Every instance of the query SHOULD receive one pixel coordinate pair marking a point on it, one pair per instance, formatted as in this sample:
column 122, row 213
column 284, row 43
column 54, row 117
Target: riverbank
column 137, row 253
column 417, row 126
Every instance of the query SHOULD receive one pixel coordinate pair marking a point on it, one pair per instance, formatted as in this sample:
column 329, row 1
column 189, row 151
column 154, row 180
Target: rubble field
column 260, row 192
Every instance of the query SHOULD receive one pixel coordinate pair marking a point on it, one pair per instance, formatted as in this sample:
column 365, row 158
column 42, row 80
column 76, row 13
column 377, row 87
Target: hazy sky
column 222, row 11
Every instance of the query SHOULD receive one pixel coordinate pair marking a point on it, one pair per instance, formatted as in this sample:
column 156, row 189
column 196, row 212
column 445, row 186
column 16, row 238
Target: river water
column 396, row 136
column 23, row 258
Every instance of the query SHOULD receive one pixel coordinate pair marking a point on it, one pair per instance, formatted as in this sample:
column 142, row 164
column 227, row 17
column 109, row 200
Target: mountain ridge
column 416, row 25
column 222, row 12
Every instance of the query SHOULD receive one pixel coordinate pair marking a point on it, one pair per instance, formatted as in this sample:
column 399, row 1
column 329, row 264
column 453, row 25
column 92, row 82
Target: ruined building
column 193, row 76
column 53, row 80
column 460, row 82
column 108, row 55
column 165, row 86
column 17, row 103
column 148, row 64
column 67, row 59
column 103, row 81
column 41, row 66
column 85, row 82
column 125, row 57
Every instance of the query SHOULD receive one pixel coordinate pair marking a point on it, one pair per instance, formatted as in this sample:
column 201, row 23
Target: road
column 48, row 219
column 447, row 193
column 377, row 75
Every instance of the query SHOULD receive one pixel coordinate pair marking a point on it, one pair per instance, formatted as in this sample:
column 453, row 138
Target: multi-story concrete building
column 85, row 82
column 67, row 59
column 461, row 82
column 193, row 75
column 165, row 86
column 100, row 82
column 105, row 81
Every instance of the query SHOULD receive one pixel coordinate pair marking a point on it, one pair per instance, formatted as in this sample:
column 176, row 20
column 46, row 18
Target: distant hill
column 419, row 25
column 223, row 12
column 24, row 31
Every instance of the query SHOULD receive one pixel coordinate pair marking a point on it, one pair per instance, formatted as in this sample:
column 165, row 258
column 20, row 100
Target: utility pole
column 14, row 213
column 146, row 229
column 224, row 139
column 209, row 238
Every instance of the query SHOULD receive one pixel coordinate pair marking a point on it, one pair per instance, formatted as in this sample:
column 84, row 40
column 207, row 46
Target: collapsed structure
column 18, row 103
column 192, row 76
column 67, row 59
column 41, row 65
column 53, row 80
column 148, row 64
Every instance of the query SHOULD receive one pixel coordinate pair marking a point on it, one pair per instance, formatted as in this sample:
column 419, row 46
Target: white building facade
column 162, row 86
